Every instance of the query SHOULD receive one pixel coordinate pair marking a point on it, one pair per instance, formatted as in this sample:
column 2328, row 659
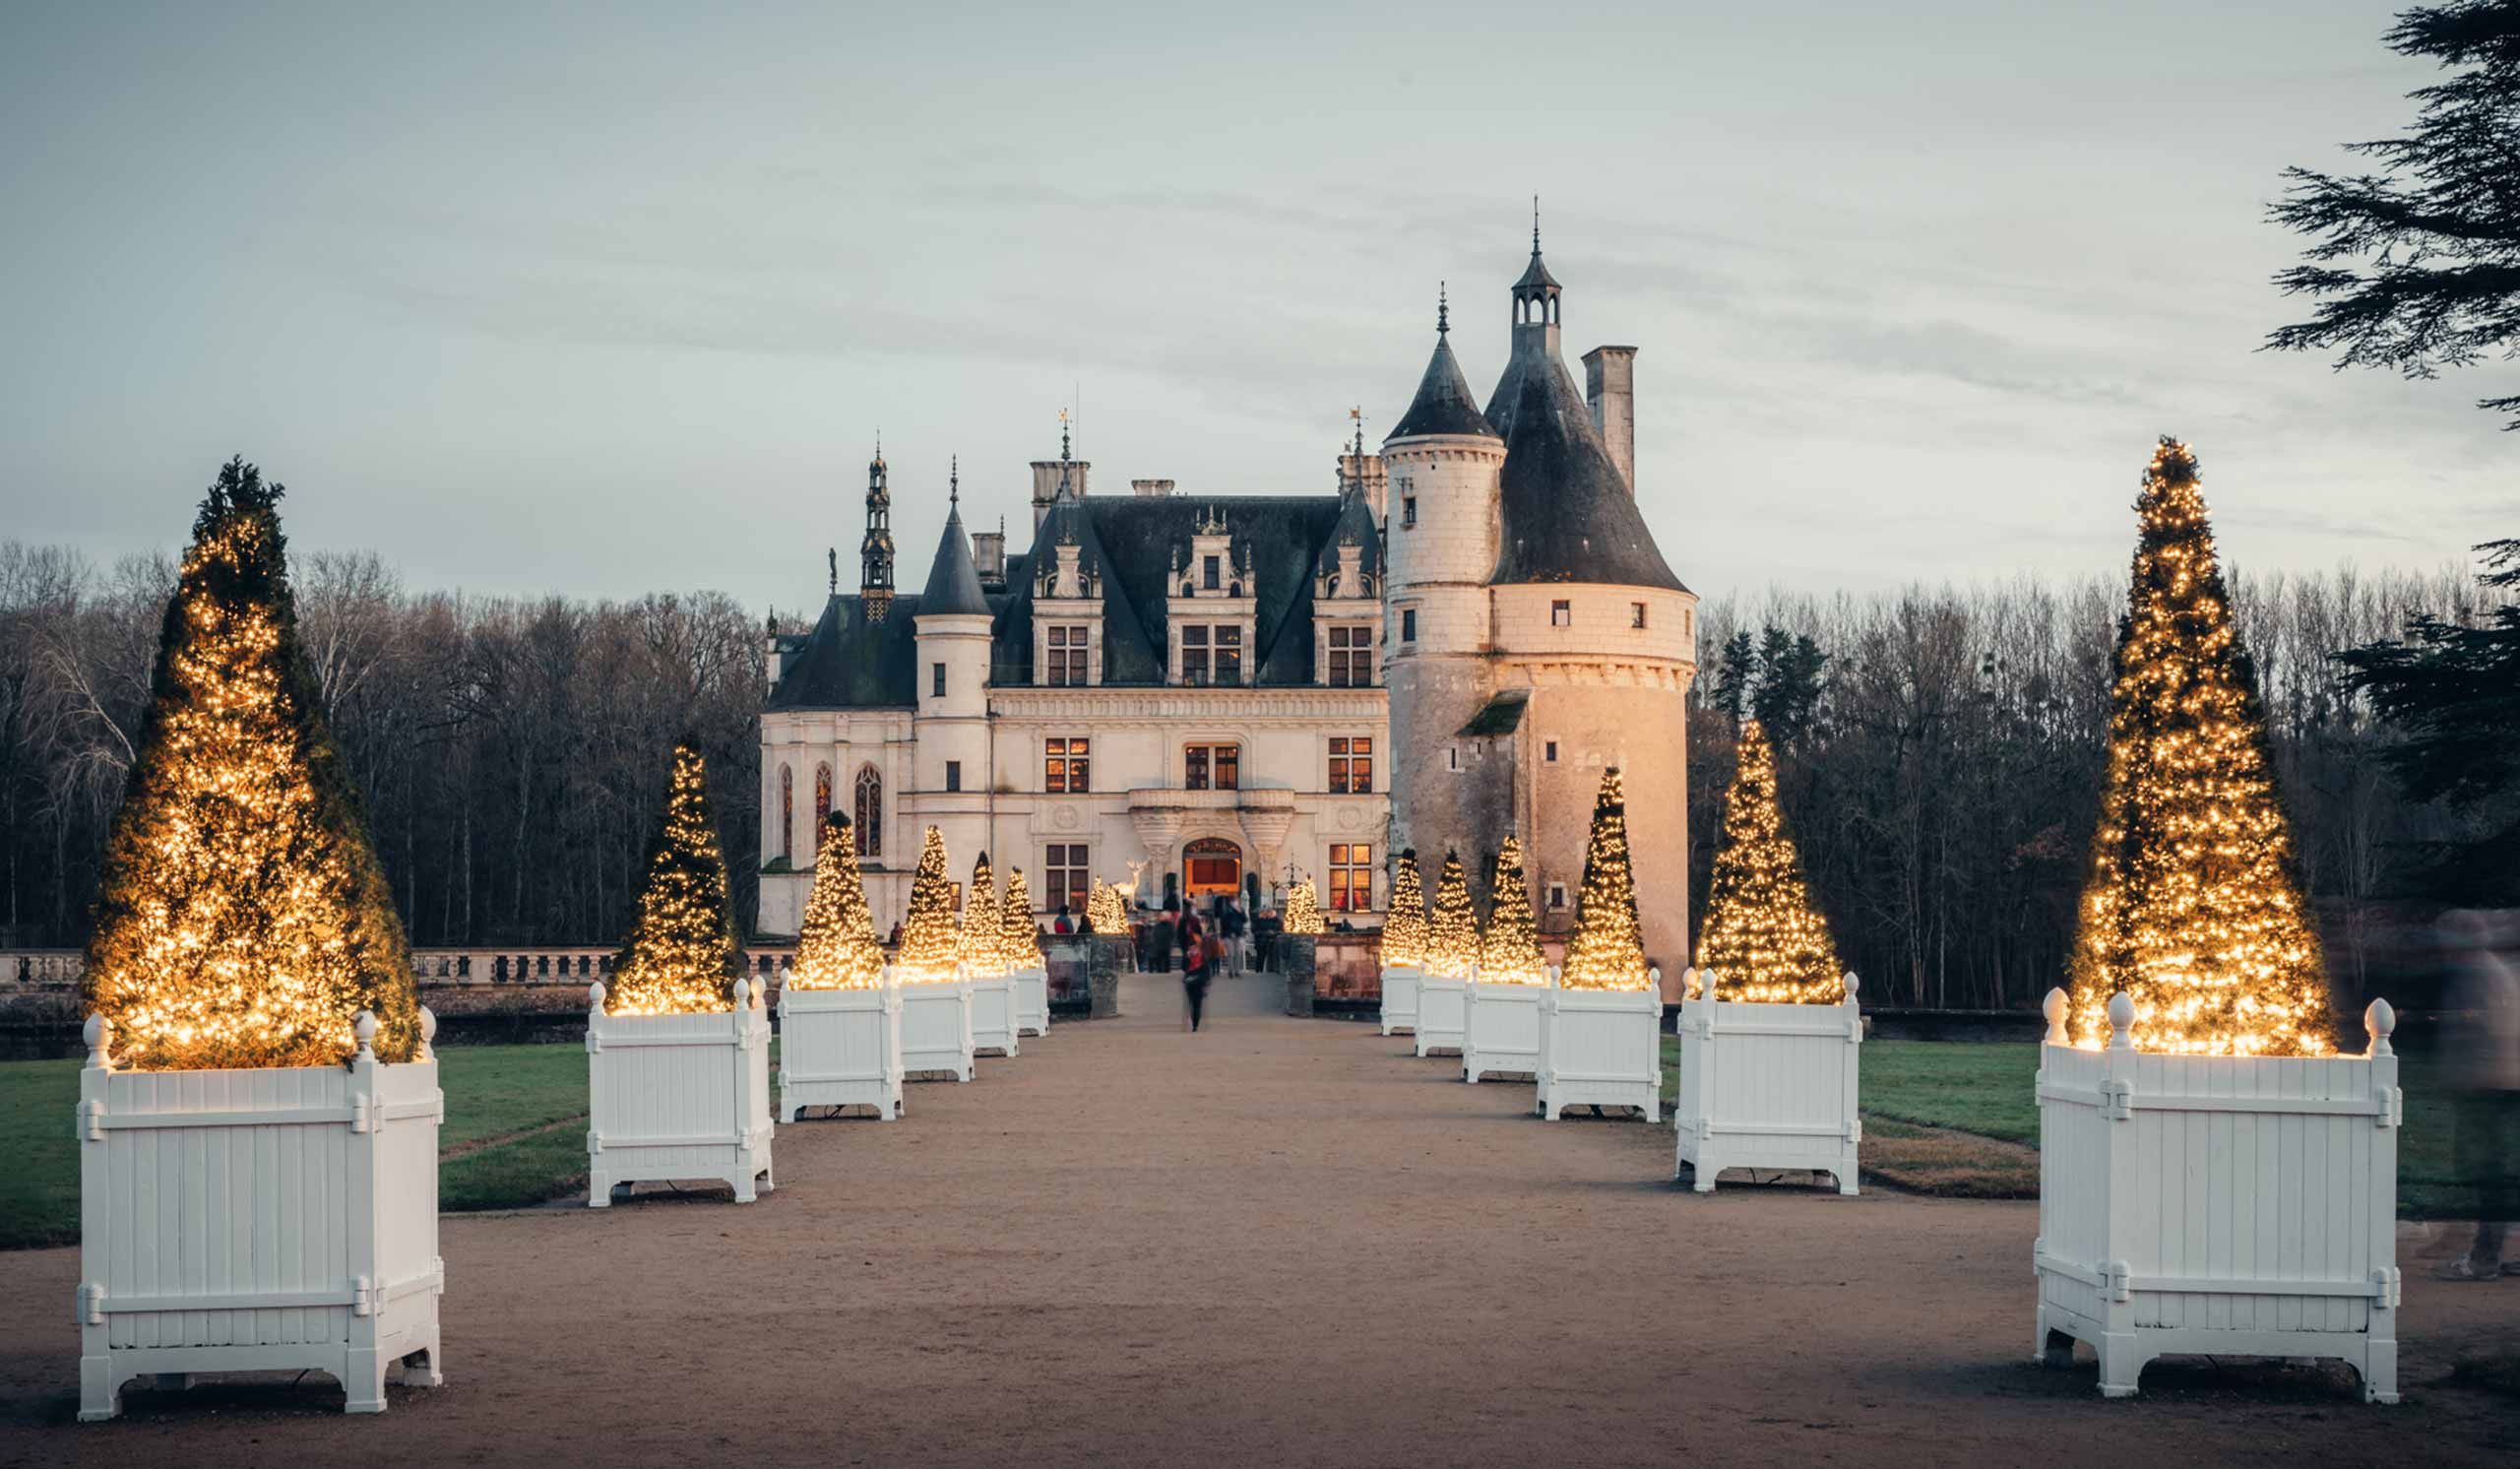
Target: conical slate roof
column 1536, row 273
column 1443, row 403
column 953, row 582
column 1565, row 510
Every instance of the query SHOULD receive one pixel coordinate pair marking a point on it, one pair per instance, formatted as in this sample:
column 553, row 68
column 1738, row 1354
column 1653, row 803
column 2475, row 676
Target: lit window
column 1351, row 877
column 1351, row 765
column 1067, row 766
column 1065, row 874
column 1560, row 614
column 1216, row 767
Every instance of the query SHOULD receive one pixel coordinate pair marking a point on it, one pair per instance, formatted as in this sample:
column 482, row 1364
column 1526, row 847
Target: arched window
column 869, row 813
column 786, row 812
column 822, row 804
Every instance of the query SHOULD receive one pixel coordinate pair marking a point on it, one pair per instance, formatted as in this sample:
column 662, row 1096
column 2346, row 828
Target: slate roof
column 850, row 663
column 1536, row 273
column 1443, row 403
column 1565, row 513
column 953, row 581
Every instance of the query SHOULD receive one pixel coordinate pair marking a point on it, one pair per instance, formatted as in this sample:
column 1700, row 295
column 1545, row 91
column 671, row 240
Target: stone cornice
column 1302, row 702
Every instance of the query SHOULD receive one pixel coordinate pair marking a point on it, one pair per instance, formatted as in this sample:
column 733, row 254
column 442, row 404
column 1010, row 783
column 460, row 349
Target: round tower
column 950, row 772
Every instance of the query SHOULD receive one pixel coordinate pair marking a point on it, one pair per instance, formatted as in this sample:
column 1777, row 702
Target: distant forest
column 1939, row 749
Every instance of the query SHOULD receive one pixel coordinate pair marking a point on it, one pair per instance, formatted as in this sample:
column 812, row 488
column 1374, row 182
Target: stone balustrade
column 39, row 969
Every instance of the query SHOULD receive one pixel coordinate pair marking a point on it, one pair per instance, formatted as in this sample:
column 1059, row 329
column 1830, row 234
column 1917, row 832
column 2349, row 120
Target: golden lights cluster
column 983, row 941
column 930, row 942
column 836, row 947
column 243, row 918
column 1509, row 953
column 1105, row 912
column 1020, row 948
column 1452, row 930
column 1303, row 909
column 1608, row 950
column 2192, row 910
column 683, row 947
column 1763, row 940
column 1403, row 933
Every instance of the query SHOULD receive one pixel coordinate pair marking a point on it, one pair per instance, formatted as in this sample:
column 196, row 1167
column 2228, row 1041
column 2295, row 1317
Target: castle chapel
column 1206, row 693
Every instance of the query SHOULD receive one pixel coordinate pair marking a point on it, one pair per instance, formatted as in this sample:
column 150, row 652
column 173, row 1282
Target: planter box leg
column 419, row 1368
column 99, row 1394
column 2121, row 1362
column 363, row 1380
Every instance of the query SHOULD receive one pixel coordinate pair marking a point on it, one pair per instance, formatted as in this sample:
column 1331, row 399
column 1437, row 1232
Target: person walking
column 1195, row 965
column 2483, row 1045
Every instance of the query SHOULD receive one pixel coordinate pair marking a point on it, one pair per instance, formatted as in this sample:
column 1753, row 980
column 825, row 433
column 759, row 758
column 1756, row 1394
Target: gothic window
column 1351, row 765
column 1351, row 656
column 869, row 813
column 786, row 812
column 1351, row 877
column 1067, row 765
column 822, row 804
column 1217, row 767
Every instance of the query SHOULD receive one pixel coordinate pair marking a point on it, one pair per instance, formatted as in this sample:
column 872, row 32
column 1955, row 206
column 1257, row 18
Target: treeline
column 513, row 752
column 1940, row 754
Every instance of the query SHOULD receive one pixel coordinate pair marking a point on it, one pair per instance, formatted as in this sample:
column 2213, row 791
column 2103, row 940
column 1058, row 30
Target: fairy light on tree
column 2192, row 909
column 242, row 919
column 1105, row 912
column 1763, row 940
column 1608, row 950
column 1403, row 933
column 836, row 947
column 1021, row 947
column 1509, row 952
column 1303, row 909
column 1452, row 932
column 930, row 942
column 683, row 948
column 982, row 939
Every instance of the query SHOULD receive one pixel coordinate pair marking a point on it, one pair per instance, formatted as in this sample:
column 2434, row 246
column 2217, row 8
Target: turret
column 953, row 633
column 875, row 552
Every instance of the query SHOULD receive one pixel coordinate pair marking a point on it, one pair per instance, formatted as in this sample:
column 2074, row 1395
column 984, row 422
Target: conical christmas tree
column 2192, row 909
column 1608, row 950
column 683, row 947
column 1763, row 940
column 1303, row 909
column 1104, row 910
column 1452, row 932
column 1403, row 933
column 242, row 920
column 930, row 942
column 836, row 947
column 1509, row 953
column 981, row 937
column 1021, row 947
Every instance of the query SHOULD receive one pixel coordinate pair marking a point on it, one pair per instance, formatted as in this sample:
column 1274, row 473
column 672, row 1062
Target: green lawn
column 1985, row 1088
column 514, row 1135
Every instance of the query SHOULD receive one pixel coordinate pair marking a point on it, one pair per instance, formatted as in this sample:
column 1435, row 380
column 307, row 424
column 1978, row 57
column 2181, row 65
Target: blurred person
column 1194, row 965
column 1064, row 926
column 2482, row 1044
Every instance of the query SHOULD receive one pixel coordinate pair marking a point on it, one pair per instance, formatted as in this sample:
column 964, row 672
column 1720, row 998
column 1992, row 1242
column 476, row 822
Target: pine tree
column 1403, row 933
column 1762, row 938
column 243, row 918
column 1608, row 950
column 1303, row 909
column 1105, row 912
column 683, row 948
column 1021, row 946
column 930, row 942
column 1452, row 933
column 836, row 947
column 981, row 937
column 1509, row 953
column 2192, row 909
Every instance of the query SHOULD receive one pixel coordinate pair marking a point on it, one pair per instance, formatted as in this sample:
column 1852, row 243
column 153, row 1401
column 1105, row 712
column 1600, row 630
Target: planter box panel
column 1601, row 1047
column 1502, row 1036
column 1443, row 1014
column 936, row 1029
column 840, row 1048
column 1772, row 1086
column 994, row 1015
column 1032, row 1002
column 674, row 1097
column 1400, row 998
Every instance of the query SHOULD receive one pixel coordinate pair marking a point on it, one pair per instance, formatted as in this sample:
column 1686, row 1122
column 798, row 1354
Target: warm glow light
column 1509, row 952
column 2192, row 910
column 683, row 947
column 1452, row 930
column 1105, row 910
column 1762, row 939
column 1403, row 933
column 836, row 947
column 982, row 943
column 1021, row 947
column 930, row 942
column 1303, row 909
column 1608, row 950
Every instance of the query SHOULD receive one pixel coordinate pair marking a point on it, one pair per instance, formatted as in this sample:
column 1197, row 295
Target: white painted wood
column 1501, row 1035
column 675, row 1097
column 841, row 1048
column 1032, row 1000
column 993, row 1025
column 1767, row 1086
column 1400, row 998
column 253, row 1220
column 1443, row 1013
column 1601, row 1047
column 936, row 1029
column 2217, row 1206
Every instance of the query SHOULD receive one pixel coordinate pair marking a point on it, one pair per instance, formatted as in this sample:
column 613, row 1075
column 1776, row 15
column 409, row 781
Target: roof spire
column 1357, row 416
column 832, row 554
column 1444, row 310
column 954, row 486
column 1535, row 226
column 879, row 445
column 1062, row 435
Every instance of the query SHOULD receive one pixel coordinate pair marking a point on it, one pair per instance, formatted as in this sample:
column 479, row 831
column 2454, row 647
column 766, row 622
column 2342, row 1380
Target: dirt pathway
column 1275, row 1241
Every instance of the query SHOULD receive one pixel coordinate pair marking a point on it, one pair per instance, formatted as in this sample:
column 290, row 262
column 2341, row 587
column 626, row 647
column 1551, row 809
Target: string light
column 683, row 947
column 982, row 944
column 930, row 944
column 1303, row 909
column 1403, row 933
column 2192, row 910
column 1022, row 947
column 242, row 919
column 1608, row 950
column 1510, row 953
column 1452, row 931
column 1763, row 940
column 836, row 947
column 1105, row 912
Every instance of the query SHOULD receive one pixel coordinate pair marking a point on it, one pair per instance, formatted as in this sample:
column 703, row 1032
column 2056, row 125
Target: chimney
column 1610, row 385
column 1364, row 474
column 1153, row 490
column 1045, row 484
column 989, row 558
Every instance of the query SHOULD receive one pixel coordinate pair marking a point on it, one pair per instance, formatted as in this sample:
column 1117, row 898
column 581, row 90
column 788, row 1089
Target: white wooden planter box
column 1443, row 1014
column 259, row 1220
column 1400, row 998
column 840, row 1048
column 674, row 1097
column 1032, row 1000
column 1601, row 1048
column 2222, row 1205
column 1501, row 1035
column 1768, row 1086
column 936, row 1028
column 993, row 1025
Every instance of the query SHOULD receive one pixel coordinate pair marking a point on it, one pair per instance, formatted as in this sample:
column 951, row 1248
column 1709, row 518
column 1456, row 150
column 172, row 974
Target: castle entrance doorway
column 1211, row 866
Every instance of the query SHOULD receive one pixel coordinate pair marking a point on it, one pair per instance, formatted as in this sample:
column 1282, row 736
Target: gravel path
column 1275, row 1241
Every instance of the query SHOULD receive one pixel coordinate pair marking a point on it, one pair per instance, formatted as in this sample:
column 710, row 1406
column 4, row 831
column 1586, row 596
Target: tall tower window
column 1636, row 614
column 1409, row 624
column 937, row 680
column 1408, row 512
column 953, row 775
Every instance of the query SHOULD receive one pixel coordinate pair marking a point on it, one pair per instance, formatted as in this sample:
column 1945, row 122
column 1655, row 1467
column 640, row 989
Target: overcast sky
column 613, row 299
